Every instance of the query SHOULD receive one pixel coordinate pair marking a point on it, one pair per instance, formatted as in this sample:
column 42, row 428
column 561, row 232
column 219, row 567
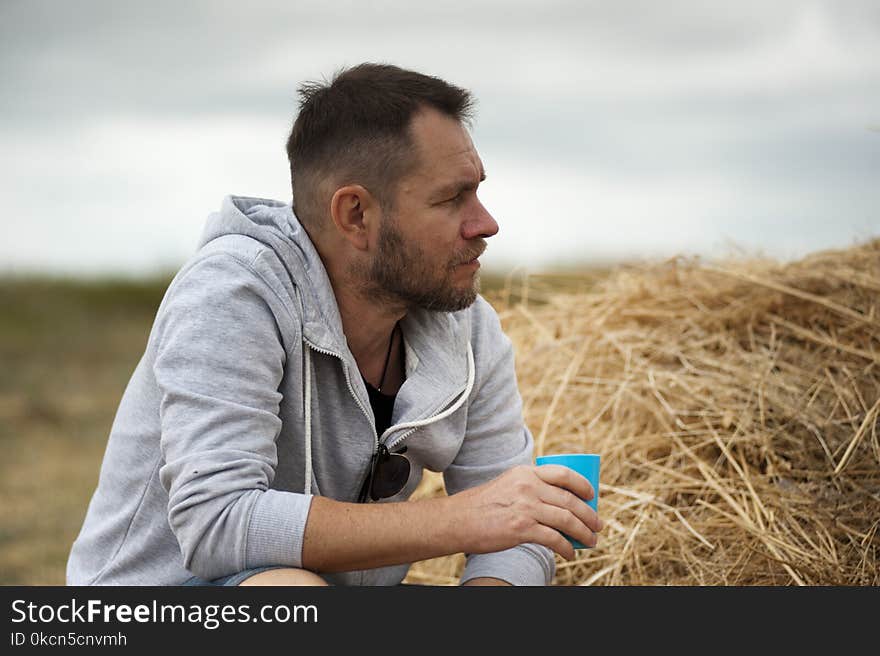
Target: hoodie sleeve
column 496, row 440
column 219, row 362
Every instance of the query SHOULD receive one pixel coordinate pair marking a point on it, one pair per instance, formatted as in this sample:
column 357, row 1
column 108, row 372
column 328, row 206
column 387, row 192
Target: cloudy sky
column 608, row 129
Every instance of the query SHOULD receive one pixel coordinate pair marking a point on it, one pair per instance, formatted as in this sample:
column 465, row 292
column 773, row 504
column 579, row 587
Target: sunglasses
column 388, row 474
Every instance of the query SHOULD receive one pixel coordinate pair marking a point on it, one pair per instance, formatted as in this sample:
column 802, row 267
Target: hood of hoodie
column 435, row 342
column 272, row 223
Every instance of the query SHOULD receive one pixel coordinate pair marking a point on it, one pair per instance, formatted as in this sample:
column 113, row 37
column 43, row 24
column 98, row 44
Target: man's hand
column 527, row 504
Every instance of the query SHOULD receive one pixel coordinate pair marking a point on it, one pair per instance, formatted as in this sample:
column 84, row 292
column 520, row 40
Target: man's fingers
column 553, row 539
column 567, row 478
column 557, row 496
column 567, row 522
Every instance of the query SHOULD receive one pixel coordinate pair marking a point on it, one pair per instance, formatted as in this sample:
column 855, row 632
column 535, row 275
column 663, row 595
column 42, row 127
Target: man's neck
column 369, row 326
column 367, row 322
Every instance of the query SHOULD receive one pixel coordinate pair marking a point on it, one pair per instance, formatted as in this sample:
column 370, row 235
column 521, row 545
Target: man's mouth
column 473, row 258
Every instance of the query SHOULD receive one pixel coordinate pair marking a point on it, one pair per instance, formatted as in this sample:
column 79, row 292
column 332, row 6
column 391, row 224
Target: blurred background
column 609, row 131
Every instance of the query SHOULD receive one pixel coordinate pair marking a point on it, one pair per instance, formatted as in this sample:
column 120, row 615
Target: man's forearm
column 525, row 504
column 348, row 536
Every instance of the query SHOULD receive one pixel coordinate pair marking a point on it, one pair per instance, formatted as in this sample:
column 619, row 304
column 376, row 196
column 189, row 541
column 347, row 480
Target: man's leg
column 284, row 576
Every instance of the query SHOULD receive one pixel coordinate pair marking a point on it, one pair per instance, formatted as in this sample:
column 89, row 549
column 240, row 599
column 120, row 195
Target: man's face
column 427, row 248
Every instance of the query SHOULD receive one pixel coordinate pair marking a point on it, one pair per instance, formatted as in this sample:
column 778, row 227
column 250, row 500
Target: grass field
column 68, row 349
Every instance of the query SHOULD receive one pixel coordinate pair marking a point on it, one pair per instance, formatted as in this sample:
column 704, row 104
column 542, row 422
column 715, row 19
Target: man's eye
column 454, row 199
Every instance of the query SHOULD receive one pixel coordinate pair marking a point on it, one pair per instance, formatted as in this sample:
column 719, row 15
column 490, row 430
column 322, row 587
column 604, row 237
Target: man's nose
column 481, row 224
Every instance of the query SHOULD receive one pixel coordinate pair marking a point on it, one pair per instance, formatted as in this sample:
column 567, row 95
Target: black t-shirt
column 383, row 406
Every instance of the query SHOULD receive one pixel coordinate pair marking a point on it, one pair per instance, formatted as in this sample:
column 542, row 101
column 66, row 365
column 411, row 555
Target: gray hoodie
column 247, row 401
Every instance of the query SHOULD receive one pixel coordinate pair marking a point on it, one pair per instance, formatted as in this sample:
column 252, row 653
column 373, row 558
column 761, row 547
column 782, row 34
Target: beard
column 404, row 274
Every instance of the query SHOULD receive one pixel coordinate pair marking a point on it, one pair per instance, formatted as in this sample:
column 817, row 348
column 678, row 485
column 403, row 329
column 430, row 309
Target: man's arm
column 526, row 504
column 218, row 359
column 497, row 441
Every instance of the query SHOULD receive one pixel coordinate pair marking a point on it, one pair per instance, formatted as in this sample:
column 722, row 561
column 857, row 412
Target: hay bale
column 736, row 410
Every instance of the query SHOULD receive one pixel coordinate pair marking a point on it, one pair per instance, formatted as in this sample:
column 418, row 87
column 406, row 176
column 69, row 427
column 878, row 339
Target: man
column 311, row 360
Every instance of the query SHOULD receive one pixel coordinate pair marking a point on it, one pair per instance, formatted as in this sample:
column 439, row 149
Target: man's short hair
column 355, row 130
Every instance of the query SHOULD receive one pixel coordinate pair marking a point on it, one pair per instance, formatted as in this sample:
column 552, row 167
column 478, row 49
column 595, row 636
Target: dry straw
column 736, row 408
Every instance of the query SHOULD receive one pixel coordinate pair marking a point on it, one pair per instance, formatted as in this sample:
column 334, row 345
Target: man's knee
column 284, row 576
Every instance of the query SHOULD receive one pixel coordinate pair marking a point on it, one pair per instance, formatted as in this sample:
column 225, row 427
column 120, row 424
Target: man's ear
column 352, row 208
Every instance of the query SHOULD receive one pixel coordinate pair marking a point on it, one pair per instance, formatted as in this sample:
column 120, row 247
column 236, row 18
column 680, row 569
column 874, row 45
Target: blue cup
column 585, row 464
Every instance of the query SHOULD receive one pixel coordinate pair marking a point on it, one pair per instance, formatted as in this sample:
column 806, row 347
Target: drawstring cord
column 308, row 413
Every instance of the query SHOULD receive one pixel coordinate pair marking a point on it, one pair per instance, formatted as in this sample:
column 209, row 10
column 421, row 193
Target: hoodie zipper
column 394, row 443
column 353, row 394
